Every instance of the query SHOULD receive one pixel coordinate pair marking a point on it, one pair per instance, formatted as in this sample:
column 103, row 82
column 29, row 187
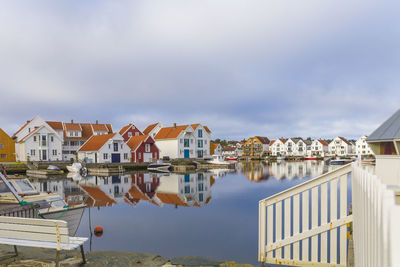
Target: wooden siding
column 7, row 147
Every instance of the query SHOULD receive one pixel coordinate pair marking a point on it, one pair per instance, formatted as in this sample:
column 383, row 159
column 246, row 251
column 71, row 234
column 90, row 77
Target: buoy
column 98, row 230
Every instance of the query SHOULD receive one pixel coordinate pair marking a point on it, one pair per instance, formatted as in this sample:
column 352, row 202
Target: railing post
column 261, row 230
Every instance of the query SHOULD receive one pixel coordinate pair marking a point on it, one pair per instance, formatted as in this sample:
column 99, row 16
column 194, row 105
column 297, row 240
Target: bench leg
column 15, row 251
column 83, row 255
column 57, row 258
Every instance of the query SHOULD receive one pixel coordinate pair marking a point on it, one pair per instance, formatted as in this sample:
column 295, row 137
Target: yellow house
column 255, row 146
column 7, row 147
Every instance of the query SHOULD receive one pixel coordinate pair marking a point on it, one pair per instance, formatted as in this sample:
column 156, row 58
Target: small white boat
column 217, row 159
column 77, row 168
column 159, row 166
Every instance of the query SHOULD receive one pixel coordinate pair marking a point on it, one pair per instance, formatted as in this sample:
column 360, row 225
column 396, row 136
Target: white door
column 147, row 157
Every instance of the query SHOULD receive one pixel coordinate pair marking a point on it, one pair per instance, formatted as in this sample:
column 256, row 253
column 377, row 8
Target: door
column 44, row 154
column 115, row 158
column 95, row 157
column 147, row 157
column 186, row 153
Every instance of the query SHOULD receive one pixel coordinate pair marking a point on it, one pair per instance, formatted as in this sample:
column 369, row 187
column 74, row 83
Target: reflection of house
column 256, row 146
column 254, row 171
column 37, row 141
column 278, row 147
column 144, row 187
column 105, row 148
column 186, row 189
column 129, row 130
column 7, row 147
column 143, row 148
column 340, row 146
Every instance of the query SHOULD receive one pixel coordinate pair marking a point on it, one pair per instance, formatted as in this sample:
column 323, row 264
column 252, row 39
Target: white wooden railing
column 376, row 221
column 306, row 224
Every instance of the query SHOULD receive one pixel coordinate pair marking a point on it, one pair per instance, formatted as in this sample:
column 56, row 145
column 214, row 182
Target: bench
column 40, row 233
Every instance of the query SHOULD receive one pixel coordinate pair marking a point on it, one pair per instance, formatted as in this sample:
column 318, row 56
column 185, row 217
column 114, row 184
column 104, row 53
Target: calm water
column 211, row 214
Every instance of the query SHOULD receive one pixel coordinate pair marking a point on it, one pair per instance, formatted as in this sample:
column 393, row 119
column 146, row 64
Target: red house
column 143, row 148
column 128, row 131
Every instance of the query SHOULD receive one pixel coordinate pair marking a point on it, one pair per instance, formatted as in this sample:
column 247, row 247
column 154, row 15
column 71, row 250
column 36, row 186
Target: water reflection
column 149, row 212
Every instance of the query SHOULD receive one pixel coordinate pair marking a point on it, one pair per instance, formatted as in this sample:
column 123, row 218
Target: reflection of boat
column 77, row 168
column 310, row 158
column 217, row 159
column 74, row 176
column 50, row 205
column 231, row 158
column 159, row 166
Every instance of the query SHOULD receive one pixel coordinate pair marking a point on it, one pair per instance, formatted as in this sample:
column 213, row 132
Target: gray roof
column 389, row 130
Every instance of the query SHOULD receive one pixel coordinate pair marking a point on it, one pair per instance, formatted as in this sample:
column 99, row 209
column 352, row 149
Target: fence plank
column 261, row 231
column 324, row 220
column 296, row 225
column 343, row 213
column 314, row 223
column 278, row 227
column 305, row 225
column 269, row 227
column 287, row 227
column 333, row 216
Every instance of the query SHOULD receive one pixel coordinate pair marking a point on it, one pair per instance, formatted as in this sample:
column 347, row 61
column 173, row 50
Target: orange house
column 7, row 147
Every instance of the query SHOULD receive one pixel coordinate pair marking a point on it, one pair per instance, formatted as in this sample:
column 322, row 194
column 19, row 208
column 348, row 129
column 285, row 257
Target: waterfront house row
column 40, row 140
column 339, row 146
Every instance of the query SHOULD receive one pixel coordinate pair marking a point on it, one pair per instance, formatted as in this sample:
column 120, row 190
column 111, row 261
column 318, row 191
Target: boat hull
column 72, row 216
column 310, row 158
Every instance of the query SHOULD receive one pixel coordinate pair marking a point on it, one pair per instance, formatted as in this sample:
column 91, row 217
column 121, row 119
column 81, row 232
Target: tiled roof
column 150, row 128
column 96, row 142
column 172, row 199
column 72, row 127
column 282, row 140
column 272, row 141
column 344, row 140
column 99, row 128
column 97, row 197
column 56, row 125
column 207, row 129
column 136, row 193
column 263, row 139
column 216, row 145
column 323, row 142
column 124, row 129
column 135, row 141
column 170, row 132
column 228, row 148
column 20, row 129
column 194, row 126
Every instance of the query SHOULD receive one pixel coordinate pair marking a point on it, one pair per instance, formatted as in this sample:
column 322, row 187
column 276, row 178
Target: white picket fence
column 376, row 221
column 304, row 225
column 307, row 224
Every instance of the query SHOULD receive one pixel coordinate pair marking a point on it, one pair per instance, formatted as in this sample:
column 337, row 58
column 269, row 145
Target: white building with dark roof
column 340, row 146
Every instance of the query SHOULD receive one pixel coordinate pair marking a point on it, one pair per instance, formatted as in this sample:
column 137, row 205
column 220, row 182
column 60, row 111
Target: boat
column 159, row 166
column 77, row 168
column 49, row 205
column 217, row 159
column 232, row 158
column 310, row 158
column 340, row 161
column 53, row 168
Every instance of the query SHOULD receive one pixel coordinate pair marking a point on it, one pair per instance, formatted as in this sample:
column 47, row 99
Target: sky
column 280, row 68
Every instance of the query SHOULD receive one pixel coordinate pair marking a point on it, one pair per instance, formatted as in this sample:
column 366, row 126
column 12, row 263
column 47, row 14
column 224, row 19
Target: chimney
column 72, row 121
column 97, row 122
column 27, row 121
column 175, row 125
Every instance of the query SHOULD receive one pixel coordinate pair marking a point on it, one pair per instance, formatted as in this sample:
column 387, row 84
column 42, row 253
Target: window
column 137, row 134
column 187, row 178
column 129, row 134
column 76, row 134
column 201, row 187
column 181, row 140
column 139, row 155
column 54, row 152
column 200, row 177
column 115, row 147
column 105, row 156
column 200, row 132
column 1, row 145
column 44, row 138
column 187, row 189
column 155, row 155
column 33, row 152
column 186, row 143
column 200, row 143
column 3, row 156
column 34, row 139
column 147, row 147
column 65, row 143
column 201, row 198
column 125, row 155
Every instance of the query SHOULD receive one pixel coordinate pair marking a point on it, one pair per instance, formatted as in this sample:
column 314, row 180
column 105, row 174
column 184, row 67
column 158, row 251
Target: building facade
column 362, row 147
column 340, row 146
column 143, row 148
column 176, row 142
column 7, row 147
column 128, row 131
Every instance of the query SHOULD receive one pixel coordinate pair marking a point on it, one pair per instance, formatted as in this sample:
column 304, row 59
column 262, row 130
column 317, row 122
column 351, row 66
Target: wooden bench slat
column 39, row 244
column 33, row 236
column 30, row 221
column 33, row 228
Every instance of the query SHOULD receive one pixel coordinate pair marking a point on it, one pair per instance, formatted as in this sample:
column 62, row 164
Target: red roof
column 97, row 197
column 345, row 140
column 26, row 136
column 172, row 199
column 20, row 129
column 150, row 128
column 56, row 125
column 207, row 129
column 323, row 142
column 96, row 142
column 72, row 127
column 135, row 141
column 99, row 128
column 271, row 142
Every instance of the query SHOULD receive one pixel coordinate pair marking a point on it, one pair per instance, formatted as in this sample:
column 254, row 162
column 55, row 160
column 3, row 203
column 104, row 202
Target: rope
column 66, row 208
column 58, row 237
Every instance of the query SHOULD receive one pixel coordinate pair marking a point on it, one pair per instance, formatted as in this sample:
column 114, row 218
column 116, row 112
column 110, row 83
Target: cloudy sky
column 273, row 68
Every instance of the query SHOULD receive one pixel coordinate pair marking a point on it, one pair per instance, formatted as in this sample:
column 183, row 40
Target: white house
column 153, row 129
column 202, row 135
column 296, row 147
column 217, row 149
column 278, row 147
column 230, row 151
column 319, row 148
column 105, row 148
column 37, row 141
column 362, row 147
column 176, row 142
column 340, row 146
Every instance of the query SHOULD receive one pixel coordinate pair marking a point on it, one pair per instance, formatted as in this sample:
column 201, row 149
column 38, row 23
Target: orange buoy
column 98, row 230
